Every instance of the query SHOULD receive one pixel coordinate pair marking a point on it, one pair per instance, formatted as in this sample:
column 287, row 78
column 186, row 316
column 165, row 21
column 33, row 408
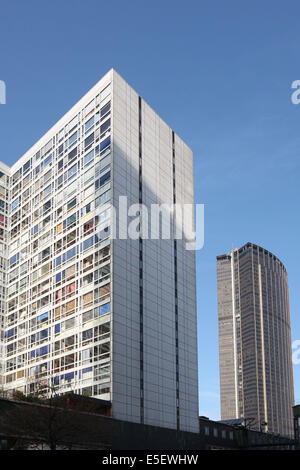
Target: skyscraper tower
column 81, row 310
column 256, row 376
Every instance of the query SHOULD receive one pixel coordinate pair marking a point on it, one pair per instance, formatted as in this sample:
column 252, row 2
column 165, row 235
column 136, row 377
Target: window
column 105, row 162
column 104, row 309
column 87, row 335
column 87, row 209
column 35, row 229
column 105, row 197
column 70, row 254
column 89, row 124
column 102, row 371
column 72, row 204
column 70, row 307
column 104, row 290
column 70, row 289
column 89, row 140
column 101, row 181
column 88, row 243
column 105, row 127
column 71, row 189
column 72, row 172
column 15, row 204
column 60, row 164
column 59, row 228
column 47, row 191
column 88, row 175
column 72, row 139
column 10, row 333
column 105, row 143
column 104, row 111
column 47, row 161
column 14, row 259
column 87, row 316
column 88, row 157
column 87, row 299
column 70, row 220
column 58, row 261
column 72, row 154
column 26, row 167
column 43, row 318
column 105, row 93
column 46, row 207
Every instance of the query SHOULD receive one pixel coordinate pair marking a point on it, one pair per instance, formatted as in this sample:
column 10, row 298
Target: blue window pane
column 44, row 350
column 72, row 138
column 26, row 166
column 70, row 219
column 101, row 181
column 71, row 253
column 103, row 309
column 69, row 376
column 105, row 143
column 56, row 380
column 48, row 161
column 43, row 316
column 14, row 258
column 72, row 171
column 35, row 229
column 105, row 178
column 88, row 243
column 89, row 123
column 14, row 204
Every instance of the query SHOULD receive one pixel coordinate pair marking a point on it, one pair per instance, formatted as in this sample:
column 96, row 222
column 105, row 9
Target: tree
column 50, row 421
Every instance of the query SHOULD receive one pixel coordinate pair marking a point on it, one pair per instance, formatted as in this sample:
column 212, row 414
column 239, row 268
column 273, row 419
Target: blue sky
column 219, row 73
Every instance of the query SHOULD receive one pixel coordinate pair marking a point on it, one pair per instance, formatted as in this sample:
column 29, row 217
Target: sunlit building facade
column 256, row 376
column 82, row 311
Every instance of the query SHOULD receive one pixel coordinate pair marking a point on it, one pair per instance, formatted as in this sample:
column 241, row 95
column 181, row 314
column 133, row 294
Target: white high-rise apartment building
column 81, row 311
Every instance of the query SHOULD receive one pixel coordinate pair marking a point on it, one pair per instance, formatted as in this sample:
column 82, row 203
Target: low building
column 84, row 423
column 235, row 435
column 296, row 413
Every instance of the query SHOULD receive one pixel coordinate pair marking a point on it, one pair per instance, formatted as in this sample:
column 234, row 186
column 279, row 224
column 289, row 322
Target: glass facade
column 256, row 374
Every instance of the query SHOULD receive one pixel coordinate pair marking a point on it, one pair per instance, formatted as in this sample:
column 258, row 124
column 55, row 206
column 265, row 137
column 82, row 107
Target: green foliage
column 31, row 398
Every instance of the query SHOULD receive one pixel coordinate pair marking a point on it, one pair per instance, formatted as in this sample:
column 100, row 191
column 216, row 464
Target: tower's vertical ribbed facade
column 256, row 376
